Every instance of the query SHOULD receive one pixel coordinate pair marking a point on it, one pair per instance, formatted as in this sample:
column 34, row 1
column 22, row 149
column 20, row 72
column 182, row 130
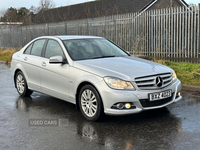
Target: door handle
column 25, row 58
column 44, row 64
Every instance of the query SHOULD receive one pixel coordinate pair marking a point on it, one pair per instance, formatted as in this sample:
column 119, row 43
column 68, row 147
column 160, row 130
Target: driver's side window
column 53, row 49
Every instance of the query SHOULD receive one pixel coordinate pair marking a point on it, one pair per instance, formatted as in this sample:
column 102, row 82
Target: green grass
column 6, row 54
column 188, row 73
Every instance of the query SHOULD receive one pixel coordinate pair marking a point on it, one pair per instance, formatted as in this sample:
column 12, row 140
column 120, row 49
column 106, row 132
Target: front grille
column 149, row 82
column 147, row 103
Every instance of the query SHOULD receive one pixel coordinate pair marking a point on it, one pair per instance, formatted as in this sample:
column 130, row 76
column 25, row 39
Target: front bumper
column 138, row 98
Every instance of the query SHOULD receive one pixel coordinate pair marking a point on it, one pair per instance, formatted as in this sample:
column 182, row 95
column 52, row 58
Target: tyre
column 90, row 103
column 21, row 85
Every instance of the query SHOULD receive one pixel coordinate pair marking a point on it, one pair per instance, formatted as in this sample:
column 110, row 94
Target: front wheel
column 90, row 103
column 21, row 85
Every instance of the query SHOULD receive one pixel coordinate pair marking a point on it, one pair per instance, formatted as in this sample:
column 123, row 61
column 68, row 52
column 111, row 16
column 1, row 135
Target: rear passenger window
column 28, row 50
column 37, row 47
column 53, row 49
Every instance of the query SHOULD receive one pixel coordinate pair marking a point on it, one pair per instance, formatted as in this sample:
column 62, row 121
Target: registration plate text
column 160, row 95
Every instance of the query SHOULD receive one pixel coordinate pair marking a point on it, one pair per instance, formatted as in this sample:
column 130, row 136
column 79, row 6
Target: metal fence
column 171, row 33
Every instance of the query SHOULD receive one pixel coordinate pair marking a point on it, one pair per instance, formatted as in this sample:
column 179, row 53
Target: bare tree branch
column 46, row 4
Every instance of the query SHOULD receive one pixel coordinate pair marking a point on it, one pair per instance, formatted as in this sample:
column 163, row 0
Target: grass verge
column 188, row 73
column 6, row 54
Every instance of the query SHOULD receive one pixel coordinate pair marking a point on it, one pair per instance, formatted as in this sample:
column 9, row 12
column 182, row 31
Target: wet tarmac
column 43, row 122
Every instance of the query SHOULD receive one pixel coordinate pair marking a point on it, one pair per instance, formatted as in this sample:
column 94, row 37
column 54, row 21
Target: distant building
column 4, row 25
column 101, row 8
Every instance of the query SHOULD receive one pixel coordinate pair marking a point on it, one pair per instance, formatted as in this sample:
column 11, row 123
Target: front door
column 54, row 77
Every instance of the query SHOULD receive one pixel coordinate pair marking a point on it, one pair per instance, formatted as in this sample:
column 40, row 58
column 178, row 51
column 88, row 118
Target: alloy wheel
column 20, row 83
column 89, row 103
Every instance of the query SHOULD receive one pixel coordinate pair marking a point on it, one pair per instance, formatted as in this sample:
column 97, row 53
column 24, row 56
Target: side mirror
column 56, row 59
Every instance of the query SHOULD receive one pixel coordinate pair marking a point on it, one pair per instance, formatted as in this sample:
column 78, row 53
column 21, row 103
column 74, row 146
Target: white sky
column 193, row 1
column 4, row 4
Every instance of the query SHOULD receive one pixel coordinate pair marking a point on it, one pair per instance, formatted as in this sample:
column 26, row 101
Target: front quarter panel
column 78, row 76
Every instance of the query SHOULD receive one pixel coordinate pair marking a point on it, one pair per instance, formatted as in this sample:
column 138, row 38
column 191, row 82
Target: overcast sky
column 4, row 4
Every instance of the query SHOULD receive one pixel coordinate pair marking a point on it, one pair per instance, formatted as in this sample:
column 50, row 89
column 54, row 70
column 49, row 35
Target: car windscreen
column 81, row 49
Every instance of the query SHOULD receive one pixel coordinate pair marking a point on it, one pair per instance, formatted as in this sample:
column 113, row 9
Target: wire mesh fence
column 170, row 33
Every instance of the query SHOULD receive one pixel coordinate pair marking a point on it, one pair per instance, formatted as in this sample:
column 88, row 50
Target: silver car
column 94, row 74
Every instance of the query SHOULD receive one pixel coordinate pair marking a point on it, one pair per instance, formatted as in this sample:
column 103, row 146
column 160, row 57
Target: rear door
column 31, row 64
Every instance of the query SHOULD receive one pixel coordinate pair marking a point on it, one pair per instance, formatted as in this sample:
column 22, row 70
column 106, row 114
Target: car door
column 31, row 63
column 54, row 77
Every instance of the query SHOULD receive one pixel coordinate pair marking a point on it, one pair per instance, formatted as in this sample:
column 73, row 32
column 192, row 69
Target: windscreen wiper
column 103, row 56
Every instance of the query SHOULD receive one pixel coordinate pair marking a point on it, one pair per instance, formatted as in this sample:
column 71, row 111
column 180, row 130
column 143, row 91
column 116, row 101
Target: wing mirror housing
column 56, row 60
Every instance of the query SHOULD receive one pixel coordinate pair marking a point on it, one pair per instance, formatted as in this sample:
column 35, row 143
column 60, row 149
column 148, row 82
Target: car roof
column 69, row 37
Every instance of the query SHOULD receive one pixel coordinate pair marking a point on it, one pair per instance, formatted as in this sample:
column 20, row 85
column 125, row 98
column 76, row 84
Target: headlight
column 119, row 84
column 174, row 77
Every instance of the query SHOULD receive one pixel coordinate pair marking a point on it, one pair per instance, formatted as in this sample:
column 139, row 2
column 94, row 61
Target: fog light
column 178, row 94
column 120, row 106
column 127, row 105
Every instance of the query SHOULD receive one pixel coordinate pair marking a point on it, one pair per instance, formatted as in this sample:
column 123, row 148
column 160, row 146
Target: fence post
column 26, row 34
column 1, row 38
column 66, row 28
column 21, row 37
column 115, row 29
column 47, row 28
column 198, row 32
column 34, row 34
column 10, row 37
column 151, row 37
column 88, row 26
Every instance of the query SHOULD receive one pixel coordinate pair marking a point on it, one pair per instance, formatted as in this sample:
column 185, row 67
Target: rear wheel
column 90, row 103
column 21, row 85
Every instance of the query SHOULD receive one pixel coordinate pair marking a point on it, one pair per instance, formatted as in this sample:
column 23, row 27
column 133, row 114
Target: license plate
column 160, row 95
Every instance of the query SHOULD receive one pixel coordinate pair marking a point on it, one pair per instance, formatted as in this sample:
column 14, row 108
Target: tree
column 17, row 15
column 46, row 4
column 10, row 15
column 34, row 9
column 22, row 11
column 2, row 12
column 23, row 14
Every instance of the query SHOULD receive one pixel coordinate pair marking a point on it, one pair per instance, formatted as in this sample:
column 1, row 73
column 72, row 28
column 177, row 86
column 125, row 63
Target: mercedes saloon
column 95, row 74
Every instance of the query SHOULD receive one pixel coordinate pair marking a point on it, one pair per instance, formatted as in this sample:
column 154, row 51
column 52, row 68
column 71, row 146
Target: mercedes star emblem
column 159, row 81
